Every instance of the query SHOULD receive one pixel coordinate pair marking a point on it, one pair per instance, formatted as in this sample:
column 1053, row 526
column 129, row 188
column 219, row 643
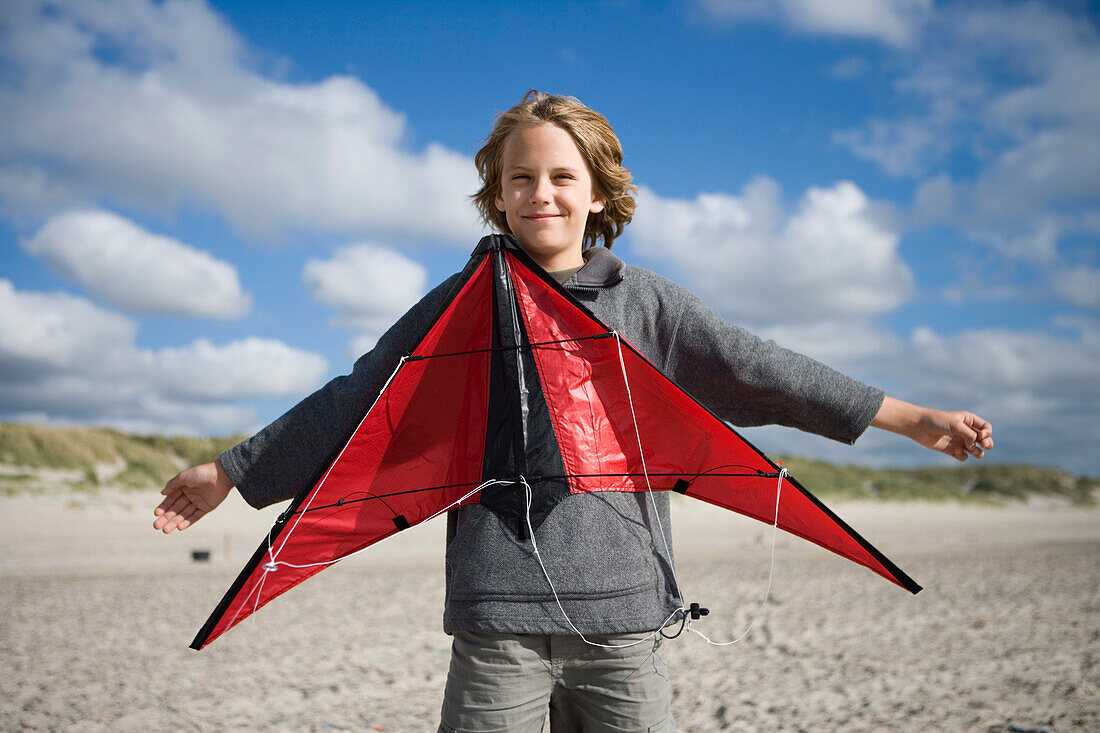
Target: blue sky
column 206, row 210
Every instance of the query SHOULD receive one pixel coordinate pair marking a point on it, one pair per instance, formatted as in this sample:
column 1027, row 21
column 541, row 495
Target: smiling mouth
column 542, row 217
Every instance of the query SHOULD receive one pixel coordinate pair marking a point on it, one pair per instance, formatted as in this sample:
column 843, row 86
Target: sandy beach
column 97, row 610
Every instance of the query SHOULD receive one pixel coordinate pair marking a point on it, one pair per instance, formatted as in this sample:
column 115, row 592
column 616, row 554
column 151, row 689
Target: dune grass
column 972, row 482
column 93, row 457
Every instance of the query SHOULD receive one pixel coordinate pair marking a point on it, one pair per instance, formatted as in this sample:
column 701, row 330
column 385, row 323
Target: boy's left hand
column 958, row 434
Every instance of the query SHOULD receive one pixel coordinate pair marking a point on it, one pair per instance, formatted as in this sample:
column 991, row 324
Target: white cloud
column 854, row 346
column 125, row 265
column 833, row 257
column 900, row 146
column 1049, row 169
column 28, row 193
column 371, row 285
column 242, row 369
column 992, row 365
column 1079, row 285
column 1040, row 391
column 850, row 67
column 1013, row 90
column 83, row 400
column 65, row 357
column 173, row 114
column 50, row 333
column 894, row 22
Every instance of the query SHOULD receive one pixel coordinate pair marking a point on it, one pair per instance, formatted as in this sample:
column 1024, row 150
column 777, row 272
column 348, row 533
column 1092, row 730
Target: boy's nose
column 542, row 191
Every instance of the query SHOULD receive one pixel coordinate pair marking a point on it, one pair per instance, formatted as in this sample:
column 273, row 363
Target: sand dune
column 97, row 611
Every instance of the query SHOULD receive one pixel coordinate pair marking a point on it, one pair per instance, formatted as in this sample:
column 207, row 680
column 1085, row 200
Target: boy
column 552, row 177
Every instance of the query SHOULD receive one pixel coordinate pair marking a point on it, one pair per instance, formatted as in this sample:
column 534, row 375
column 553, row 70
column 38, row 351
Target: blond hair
column 597, row 144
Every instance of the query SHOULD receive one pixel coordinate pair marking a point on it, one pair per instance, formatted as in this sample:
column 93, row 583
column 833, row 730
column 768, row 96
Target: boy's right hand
column 190, row 494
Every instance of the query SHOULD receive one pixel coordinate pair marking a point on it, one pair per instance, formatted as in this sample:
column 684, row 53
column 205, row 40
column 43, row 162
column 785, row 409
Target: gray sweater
column 601, row 550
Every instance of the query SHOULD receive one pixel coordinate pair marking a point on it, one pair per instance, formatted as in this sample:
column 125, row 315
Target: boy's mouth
column 541, row 217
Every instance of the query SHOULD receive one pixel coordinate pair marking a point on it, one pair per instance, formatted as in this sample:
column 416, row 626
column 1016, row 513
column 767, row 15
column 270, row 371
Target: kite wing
column 529, row 384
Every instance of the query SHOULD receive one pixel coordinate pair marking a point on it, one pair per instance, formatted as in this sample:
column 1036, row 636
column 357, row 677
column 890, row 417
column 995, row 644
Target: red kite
column 517, row 387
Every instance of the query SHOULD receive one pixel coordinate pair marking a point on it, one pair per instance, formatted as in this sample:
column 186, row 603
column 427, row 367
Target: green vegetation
column 980, row 482
column 91, row 457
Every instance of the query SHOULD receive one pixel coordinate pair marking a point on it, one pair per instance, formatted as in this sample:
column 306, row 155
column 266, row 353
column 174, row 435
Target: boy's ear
column 499, row 203
column 597, row 206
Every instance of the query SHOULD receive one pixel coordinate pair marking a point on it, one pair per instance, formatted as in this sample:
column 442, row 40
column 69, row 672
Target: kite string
column 771, row 572
column 645, row 472
column 681, row 610
column 653, row 508
column 664, row 538
column 274, row 564
column 554, row 591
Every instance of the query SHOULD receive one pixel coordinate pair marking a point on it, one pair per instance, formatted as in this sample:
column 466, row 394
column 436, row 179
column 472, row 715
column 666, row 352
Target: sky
column 209, row 209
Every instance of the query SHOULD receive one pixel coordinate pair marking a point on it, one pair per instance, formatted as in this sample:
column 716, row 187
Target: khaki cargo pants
column 511, row 682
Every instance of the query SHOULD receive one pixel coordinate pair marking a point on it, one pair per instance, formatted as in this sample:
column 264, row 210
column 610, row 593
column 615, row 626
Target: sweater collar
column 602, row 269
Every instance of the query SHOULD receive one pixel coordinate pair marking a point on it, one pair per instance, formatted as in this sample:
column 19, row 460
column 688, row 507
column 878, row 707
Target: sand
column 97, row 610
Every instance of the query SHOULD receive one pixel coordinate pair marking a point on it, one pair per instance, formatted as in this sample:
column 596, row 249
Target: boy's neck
column 560, row 261
column 555, row 260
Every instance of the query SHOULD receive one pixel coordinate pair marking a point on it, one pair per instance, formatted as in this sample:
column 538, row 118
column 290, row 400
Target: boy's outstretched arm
column 958, row 434
column 190, row 494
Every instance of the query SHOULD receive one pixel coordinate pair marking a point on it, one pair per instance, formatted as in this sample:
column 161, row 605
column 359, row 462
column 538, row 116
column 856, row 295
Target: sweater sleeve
column 286, row 456
column 748, row 381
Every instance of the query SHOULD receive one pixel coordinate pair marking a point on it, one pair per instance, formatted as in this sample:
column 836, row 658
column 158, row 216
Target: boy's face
column 546, row 195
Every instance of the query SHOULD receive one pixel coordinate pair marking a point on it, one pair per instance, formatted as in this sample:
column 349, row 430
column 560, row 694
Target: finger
column 164, row 523
column 170, row 522
column 173, row 514
column 979, row 423
column 163, row 506
column 985, row 437
column 972, row 445
column 981, row 426
column 179, row 505
column 189, row 517
column 963, row 429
